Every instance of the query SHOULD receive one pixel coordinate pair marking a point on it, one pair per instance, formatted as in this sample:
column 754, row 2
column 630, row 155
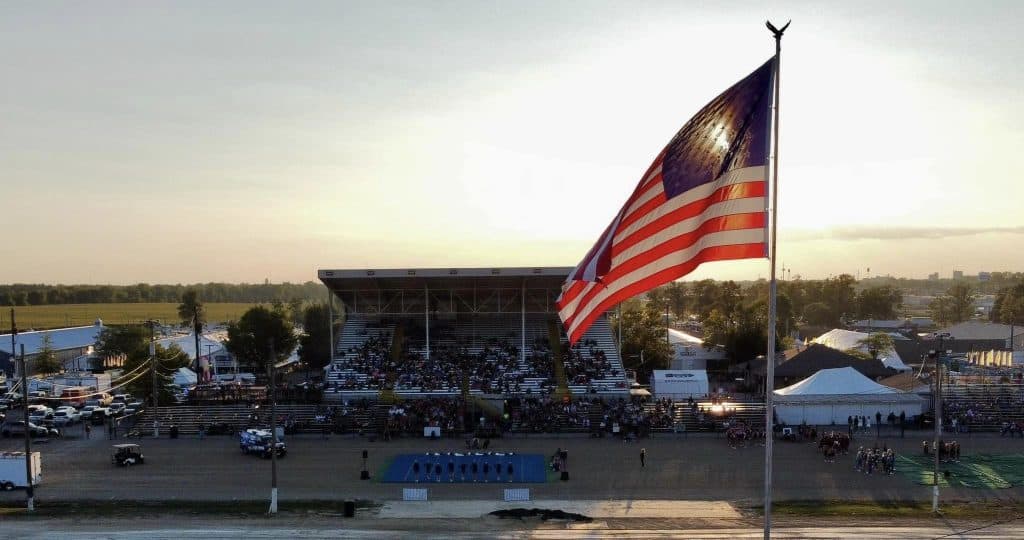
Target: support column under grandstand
column 487, row 326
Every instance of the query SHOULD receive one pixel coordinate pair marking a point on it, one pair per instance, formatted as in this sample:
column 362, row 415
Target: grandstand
column 489, row 332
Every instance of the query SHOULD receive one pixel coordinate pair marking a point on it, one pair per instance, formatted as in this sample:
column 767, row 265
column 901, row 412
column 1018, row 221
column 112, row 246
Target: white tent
column 844, row 340
column 831, row 396
column 679, row 383
column 185, row 377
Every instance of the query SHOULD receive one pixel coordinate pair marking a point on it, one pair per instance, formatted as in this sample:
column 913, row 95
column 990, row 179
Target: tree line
column 40, row 294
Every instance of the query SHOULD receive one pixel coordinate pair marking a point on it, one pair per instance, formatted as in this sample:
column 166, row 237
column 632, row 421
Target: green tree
column 877, row 343
column 133, row 343
column 957, row 305
column 676, row 296
column 314, row 344
column 817, row 314
column 879, row 302
column 295, row 310
column 250, row 337
column 45, row 361
column 192, row 315
column 743, row 334
column 644, row 344
column 131, row 340
column 1009, row 305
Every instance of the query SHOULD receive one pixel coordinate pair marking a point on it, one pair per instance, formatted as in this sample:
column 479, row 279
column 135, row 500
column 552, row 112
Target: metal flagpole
column 769, row 413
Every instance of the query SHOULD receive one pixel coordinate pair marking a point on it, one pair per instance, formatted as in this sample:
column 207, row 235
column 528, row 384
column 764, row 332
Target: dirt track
column 685, row 467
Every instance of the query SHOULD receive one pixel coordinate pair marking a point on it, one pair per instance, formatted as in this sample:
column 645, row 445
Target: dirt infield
column 678, row 468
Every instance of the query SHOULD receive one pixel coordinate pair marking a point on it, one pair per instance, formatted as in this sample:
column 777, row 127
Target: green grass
column 888, row 509
column 60, row 316
column 986, row 471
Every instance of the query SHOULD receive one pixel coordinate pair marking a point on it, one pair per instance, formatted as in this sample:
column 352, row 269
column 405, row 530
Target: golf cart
column 126, row 455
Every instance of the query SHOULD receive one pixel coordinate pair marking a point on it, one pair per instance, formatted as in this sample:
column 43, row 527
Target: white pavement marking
column 592, row 509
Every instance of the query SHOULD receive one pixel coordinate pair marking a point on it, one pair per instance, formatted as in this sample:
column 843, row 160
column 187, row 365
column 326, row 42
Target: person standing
column 643, row 458
column 88, row 429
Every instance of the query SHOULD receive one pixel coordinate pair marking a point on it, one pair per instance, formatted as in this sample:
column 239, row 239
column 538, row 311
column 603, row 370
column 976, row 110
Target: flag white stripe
column 738, row 176
column 722, row 238
column 724, row 208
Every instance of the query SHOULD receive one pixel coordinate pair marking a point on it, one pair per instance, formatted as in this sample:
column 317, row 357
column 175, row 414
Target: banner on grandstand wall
column 703, row 199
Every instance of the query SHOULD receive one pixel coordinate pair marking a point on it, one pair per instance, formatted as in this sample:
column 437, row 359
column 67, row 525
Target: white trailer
column 12, row 470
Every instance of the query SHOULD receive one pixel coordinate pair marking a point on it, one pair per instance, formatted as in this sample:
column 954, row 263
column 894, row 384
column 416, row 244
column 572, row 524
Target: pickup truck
column 258, row 442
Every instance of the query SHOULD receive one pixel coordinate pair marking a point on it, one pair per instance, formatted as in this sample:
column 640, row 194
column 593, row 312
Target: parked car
column 117, row 408
column 99, row 416
column 41, row 414
column 65, row 416
column 17, row 427
column 86, row 411
column 121, row 398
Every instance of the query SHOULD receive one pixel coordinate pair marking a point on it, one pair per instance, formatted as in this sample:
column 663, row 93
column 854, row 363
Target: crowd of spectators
column 544, row 414
column 585, row 362
column 630, row 418
column 372, row 358
column 413, row 415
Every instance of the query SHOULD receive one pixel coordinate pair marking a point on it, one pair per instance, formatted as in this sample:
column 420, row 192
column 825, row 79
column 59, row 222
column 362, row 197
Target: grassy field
column 59, row 316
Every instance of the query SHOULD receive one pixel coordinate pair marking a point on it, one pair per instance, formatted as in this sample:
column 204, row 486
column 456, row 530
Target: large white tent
column 831, row 396
column 845, row 340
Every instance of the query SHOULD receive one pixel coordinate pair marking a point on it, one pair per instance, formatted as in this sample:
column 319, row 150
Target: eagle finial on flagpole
column 776, row 31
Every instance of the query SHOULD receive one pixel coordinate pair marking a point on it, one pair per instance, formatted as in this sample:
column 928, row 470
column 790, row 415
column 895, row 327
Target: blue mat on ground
column 526, row 468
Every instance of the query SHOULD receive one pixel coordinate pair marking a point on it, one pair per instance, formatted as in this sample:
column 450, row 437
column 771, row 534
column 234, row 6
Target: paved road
column 678, row 468
column 165, row 530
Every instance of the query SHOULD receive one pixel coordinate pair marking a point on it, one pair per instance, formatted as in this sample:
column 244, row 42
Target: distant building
column 982, row 335
column 934, row 276
column 958, row 274
column 688, row 352
column 984, row 276
column 69, row 344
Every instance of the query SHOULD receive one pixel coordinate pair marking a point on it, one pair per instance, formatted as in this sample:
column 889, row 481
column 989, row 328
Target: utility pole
column 938, row 421
column 152, row 367
column 14, row 334
column 273, row 427
column 29, row 494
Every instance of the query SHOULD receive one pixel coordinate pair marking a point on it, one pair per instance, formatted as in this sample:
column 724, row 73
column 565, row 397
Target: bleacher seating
column 982, row 407
column 593, row 365
column 468, row 354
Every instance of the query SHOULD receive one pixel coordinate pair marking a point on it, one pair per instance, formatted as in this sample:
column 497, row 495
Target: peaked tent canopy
column 844, row 340
column 831, row 396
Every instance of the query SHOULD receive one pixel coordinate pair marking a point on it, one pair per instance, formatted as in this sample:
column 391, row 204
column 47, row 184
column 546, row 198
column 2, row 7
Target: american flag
column 703, row 199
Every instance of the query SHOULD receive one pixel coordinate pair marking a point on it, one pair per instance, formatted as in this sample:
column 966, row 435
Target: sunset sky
column 236, row 141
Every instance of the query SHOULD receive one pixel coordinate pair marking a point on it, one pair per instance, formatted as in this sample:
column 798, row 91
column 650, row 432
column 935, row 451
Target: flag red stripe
column 725, row 193
column 714, row 253
column 731, row 222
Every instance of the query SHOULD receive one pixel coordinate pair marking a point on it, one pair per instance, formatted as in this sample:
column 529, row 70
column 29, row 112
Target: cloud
column 878, row 232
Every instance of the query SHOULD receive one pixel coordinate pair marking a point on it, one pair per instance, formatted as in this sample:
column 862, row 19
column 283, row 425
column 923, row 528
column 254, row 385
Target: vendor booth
column 679, row 383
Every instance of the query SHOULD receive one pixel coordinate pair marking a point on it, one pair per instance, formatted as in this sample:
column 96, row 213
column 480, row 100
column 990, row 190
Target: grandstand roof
column 452, row 290
column 418, row 278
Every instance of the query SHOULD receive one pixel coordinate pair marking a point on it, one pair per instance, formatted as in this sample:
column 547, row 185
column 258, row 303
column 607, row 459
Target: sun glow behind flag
column 703, row 199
